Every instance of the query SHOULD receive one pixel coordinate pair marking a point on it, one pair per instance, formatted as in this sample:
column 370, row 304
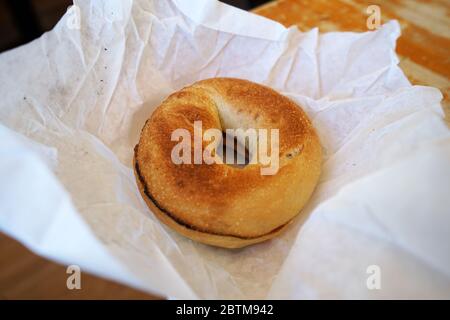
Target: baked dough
column 220, row 204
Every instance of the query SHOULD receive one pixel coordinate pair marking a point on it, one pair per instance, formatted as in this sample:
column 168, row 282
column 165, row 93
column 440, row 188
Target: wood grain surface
column 24, row 275
column 424, row 50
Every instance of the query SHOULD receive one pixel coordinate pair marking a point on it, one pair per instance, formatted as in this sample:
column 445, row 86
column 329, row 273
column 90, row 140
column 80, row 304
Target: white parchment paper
column 73, row 103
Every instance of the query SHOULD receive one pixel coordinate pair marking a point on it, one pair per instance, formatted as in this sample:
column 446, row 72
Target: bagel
column 221, row 204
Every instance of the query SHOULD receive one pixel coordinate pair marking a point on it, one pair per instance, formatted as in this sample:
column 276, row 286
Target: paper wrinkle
column 221, row 17
column 342, row 200
column 43, row 215
column 79, row 99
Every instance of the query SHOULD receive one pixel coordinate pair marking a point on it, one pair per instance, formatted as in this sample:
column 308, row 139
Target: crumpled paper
column 74, row 101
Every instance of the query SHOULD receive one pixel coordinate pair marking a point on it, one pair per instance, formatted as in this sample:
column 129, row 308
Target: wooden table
column 24, row 275
column 424, row 50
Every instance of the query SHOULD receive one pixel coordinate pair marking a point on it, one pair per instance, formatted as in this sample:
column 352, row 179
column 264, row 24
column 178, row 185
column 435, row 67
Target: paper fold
column 74, row 102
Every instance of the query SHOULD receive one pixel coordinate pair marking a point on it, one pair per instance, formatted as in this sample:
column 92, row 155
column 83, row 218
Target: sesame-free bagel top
column 220, row 204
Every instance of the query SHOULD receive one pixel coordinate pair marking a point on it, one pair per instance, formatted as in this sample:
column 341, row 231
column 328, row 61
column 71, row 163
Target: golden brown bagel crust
column 203, row 237
column 220, row 204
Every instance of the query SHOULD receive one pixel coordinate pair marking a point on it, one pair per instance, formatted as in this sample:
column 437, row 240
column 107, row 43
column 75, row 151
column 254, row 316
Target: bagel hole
column 294, row 152
column 231, row 145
